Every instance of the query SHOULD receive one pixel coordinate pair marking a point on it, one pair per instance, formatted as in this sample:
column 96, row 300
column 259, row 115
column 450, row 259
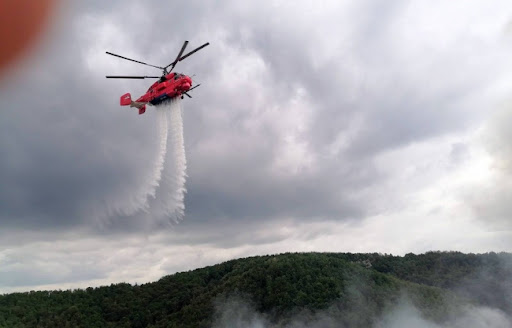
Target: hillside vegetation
column 356, row 289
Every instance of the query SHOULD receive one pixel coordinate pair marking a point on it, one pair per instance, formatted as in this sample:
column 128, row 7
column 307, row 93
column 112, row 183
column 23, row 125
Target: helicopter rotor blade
column 131, row 77
column 194, row 51
column 133, row 60
column 177, row 57
column 187, row 94
column 193, row 87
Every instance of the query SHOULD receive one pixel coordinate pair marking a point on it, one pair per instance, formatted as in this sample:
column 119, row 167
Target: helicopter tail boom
column 126, row 100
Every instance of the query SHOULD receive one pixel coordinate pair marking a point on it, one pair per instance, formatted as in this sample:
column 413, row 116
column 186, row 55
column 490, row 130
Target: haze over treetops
column 287, row 290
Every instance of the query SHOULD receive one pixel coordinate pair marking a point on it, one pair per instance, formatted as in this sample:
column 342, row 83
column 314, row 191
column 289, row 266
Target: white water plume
column 168, row 193
column 160, row 161
column 161, row 191
column 137, row 200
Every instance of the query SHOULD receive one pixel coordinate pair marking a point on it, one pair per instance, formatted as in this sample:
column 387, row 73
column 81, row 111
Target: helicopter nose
column 186, row 86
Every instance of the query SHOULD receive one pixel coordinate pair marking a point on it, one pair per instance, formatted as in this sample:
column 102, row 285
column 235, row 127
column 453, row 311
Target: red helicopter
column 168, row 86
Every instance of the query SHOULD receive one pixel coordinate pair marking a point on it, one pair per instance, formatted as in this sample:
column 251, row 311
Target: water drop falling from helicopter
column 166, row 201
column 163, row 133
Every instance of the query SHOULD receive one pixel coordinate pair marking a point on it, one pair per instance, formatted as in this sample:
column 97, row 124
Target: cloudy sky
column 345, row 126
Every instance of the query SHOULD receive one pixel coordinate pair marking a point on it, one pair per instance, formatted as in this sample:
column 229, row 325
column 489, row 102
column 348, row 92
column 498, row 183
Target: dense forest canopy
column 354, row 289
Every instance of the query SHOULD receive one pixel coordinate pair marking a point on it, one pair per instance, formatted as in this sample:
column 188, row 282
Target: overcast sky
column 345, row 126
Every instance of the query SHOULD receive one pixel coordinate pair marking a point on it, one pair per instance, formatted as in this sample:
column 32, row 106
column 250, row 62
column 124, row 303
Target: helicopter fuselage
column 169, row 86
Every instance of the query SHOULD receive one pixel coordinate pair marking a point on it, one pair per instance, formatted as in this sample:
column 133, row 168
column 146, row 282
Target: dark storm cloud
column 61, row 149
column 67, row 149
column 64, row 147
column 247, row 188
column 373, row 75
column 374, row 72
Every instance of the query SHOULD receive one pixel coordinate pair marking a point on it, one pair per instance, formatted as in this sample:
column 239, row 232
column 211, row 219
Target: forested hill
column 355, row 289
